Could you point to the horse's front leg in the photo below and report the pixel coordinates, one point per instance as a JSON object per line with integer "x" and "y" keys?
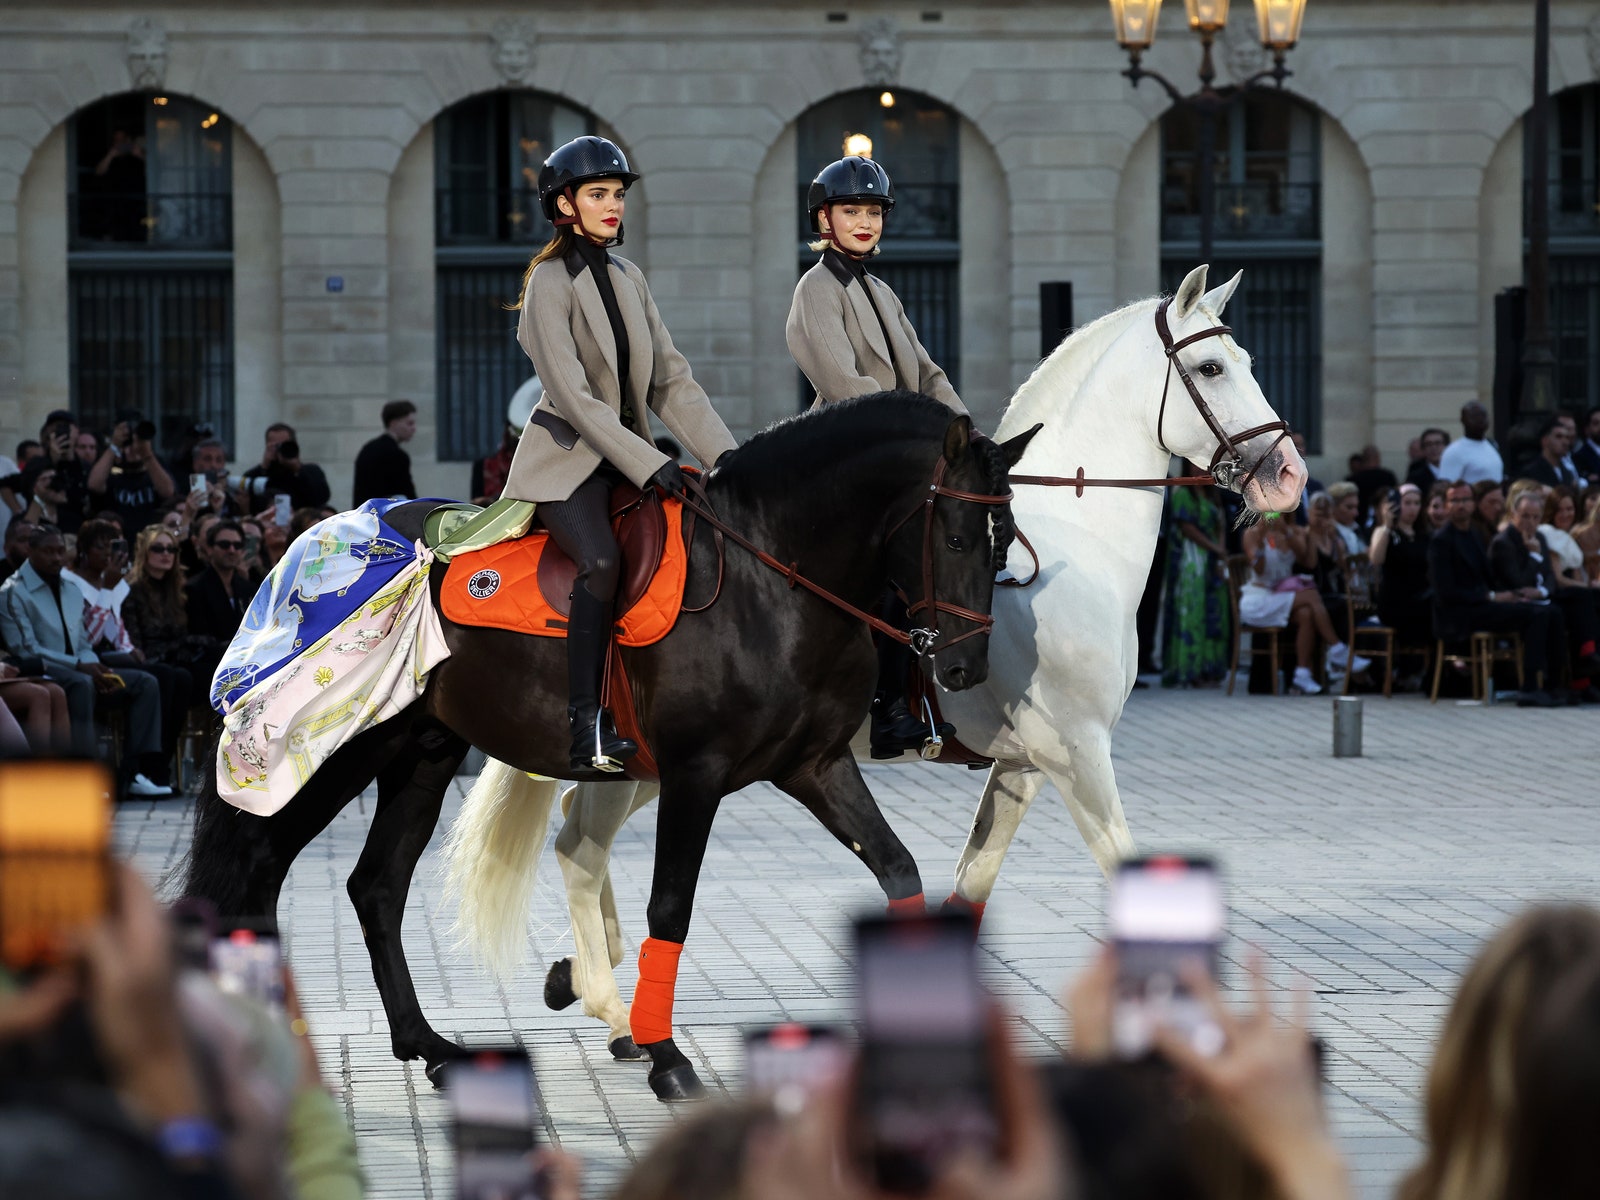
{"x": 1006, "y": 796}
{"x": 1077, "y": 758}
{"x": 834, "y": 792}
{"x": 595, "y": 812}
{"x": 410, "y": 794}
{"x": 689, "y": 800}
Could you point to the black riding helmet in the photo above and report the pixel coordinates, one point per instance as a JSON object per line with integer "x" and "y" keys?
{"x": 579, "y": 161}
{"x": 853, "y": 178}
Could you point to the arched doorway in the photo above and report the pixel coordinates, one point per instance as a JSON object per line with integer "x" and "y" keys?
{"x": 1268, "y": 221}
{"x": 150, "y": 264}
{"x": 917, "y": 140}
{"x": 487, "y": 224}
{"x": 1574, "y": 163}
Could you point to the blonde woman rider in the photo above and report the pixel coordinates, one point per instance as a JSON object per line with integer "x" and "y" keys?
{"x": 849, "y": 334}
{"x": 606, "y": 361}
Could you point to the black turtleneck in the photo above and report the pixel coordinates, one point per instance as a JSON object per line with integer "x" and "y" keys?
{"x": 596, "y": 260}
{"x": 848, "y": 268}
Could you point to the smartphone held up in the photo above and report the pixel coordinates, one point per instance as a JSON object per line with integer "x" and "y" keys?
{"x": 1165, "y": 917}
{"x": 55, "y": 864}
{"x": 493, "y": 1112}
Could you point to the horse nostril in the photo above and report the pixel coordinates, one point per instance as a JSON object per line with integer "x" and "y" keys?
{"x": 957, "y": 677}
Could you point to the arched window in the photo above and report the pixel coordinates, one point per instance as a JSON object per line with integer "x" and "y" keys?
{"x": 1574, "y": 165}
{"x": 918, "y": 141}
{"x": 1267, "y": 219}
{"x": 150, "y": 264}
{"x": 487, "y": 154}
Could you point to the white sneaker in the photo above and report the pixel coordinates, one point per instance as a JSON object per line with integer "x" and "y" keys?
{"x": 1339, "y": 656}
{"x": 141, "y": 786}
{"x": 1304, "y": 683}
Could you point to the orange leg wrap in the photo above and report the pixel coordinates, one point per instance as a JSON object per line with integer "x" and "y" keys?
{"x": 975, "y": 907}
{"x": 650, "y": 1018}
{"x": 911, "y": 906}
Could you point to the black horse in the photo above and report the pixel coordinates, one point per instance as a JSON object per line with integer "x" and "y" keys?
{"x": 768, "y": 683}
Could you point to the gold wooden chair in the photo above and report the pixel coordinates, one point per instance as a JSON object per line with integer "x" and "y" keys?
{"x": 1483, "y": 651}
{"x": 1238, "y": 575}
{"x": 1369, "y": 641}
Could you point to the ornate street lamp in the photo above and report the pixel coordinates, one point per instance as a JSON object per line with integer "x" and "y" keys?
{"x": 1278, "y": 27}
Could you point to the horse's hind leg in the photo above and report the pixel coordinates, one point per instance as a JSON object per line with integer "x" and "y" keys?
{"x": 1006, "y": 797}
{"x": 411, "y": 792}
{"x": 594, "y": 814}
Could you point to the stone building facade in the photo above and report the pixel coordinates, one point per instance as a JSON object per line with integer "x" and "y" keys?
{"x": 1410, "y": 118}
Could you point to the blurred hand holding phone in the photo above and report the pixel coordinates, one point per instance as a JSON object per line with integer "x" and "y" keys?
{"x": 925, "y": 1088}
{"x": 789, "y": 1062}
{"x": 55, "y": 839}
{"x": 1163, "y": 912}
{"x": 247, "y": 960}
{"x": 492, "y": 1103}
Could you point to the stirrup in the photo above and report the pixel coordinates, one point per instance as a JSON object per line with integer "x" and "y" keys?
{"x": 596, "y": 756}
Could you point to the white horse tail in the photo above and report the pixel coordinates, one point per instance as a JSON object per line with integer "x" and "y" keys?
{"x": 491, "y": 859}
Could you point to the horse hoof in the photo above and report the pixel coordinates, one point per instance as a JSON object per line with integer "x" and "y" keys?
{"x": 436, "y": 1072}
{"x": 625, "y": 1049}
{"x": 558, "y": 993}
{"x": 677, "y": 1085}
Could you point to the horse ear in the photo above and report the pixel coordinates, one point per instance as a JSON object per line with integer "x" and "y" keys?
{"x": 1012, "y": 449}
{"x": 1190, "y": 292}
{"x": 1217, "y": 298}
{"x": 957, "y": 436}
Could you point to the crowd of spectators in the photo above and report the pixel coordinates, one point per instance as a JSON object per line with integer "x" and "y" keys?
{"x": 1462, "y": 546}
{"x": 124, "y": 577}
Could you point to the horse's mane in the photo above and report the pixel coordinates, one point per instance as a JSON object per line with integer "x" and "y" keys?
{"x": 1057, "y": 379}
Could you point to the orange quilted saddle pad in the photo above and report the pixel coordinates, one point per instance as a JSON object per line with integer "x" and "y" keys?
{"x": 499, "y": 588}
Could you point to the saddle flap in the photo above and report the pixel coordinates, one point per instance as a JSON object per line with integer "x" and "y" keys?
{"x": 641, "y": 530}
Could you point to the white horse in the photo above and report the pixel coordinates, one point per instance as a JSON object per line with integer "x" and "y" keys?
{"x": 1062, "y": 656}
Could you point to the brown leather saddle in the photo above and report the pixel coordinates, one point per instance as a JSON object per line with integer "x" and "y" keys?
{"x": 641, "y": 530}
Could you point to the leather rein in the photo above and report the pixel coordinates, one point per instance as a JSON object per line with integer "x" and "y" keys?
{"x": 1226, "y": 464}
{"x": 920, "y": 640}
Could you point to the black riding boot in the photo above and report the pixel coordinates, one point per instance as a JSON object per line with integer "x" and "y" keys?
{"x": 894, "y": 729}
{"x": 596, "y": 744}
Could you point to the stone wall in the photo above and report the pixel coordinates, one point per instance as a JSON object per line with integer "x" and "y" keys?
{"x": 333, "y": 107}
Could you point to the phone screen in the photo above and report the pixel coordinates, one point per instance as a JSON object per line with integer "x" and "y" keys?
{"x": 492, "y": 1102}
{"x": 282, "y": 513}
{"x": 247, "y": 960}
{"x": 786, "y": 1062}
{"x": 925, "y": 1088}
{"x": 1162, "y": 912}
{"x": 197, "y": 483}
{"x": 55, "y": 871}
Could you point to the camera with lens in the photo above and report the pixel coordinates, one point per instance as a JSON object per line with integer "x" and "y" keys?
{"x": 140, "y": 427}
{"x": 288, "y": 451}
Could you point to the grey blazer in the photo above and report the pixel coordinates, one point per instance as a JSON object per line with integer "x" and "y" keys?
{"x": 578, "y": 422}
{"x": 838, "y": 342}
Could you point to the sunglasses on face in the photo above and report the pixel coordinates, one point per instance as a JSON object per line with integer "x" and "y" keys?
{"x": 162, "y": 548}
{"x": 227, "y": 545}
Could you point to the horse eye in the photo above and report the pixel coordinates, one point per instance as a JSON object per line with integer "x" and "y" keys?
{"x": 1211, "y": 368}
{"x": 956, "y": 542}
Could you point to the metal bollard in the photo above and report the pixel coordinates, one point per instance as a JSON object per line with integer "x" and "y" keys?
{"x": 1347, "y": 727}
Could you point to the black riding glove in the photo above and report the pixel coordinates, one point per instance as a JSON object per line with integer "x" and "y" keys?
{"x": 670, "y": 480}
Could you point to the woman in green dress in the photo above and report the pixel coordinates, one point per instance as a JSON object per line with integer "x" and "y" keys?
{"x": 1195, "y": 619}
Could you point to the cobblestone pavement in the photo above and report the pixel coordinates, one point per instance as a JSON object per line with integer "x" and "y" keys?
{"x": 1373, "y": 878}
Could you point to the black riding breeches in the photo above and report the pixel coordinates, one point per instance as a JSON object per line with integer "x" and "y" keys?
{"x": 581, "y": 526}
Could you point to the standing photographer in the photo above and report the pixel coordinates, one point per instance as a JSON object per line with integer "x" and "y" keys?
{"x": 55, "y": 485}
{"x": 283, "y": 473}
{"x": 128, "y": 478}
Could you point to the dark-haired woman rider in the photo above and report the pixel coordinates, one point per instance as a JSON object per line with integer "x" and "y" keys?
{"x": 597, "y": 342}
{"x": 849, "y": 334}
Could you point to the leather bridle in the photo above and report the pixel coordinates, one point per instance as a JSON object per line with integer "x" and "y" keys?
{"x": 920, "y": 640}
{"x": 1228, "y": 461}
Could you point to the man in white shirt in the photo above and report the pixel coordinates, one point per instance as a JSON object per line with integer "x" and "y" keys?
{"x": 1472, "y": 457}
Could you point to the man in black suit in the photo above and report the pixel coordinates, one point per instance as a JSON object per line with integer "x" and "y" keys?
{"x": 382, "y": 468}
{"x": 1549, "y": 466}
{"x": 1586, "y": 454}
{"x": 218, "y": 597}
{"x": 1465, "y": 602}
{"x": 1520, "y": 561}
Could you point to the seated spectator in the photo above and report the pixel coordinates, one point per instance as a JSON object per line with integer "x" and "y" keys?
{"x": 39, "y": 709}
{"x": 1587, "y": 531}
{"x": 128, "y": 478}
{"x": 194, "y": 551}
{"x": 1313, "y": 485}
{"x": 100, "y": 561}
{"x": 1517, "y": 489}
{"x": 16, "y": 546}
{"x": 1371, "y": 477}
{"x": 283, "y": 473}
{"x": 1520, "y": 560}
{"x": 41, "y": 616}
{"x": 216, "y": 598}
{"x": 1585, "y": 453}
{"x": 251, "y": 560}
{"x": 1549, "y": 466}
{"x": 156, "y": 621}
{"x": 1559, "y": 519}
{"x": 302, "y": 520}
{"x": 1513, "y": 1092}
{"x": 1435, "y": 507}
{"x": 1347, "y": 516}
{"x": 1424, "y": 470}
{"x": 1274, "y": 596}
{"x": 1399, "y": 553}
{"x": 1488, "y": 509}
{"x": 1465, "y": 600}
